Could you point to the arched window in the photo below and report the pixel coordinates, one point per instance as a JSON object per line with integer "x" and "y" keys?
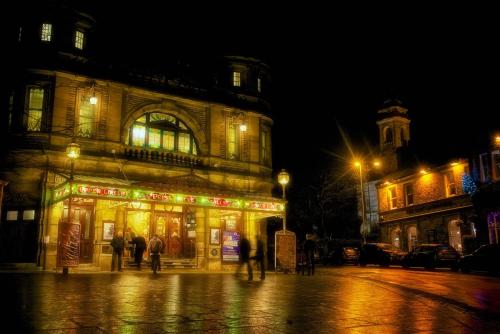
{"x": 412, "y": 237}
{"x": 388, "y": 135}
{"x": 395, "y": 238}
{"x": 162, "y": 131}
{"x": 455, "y": 235}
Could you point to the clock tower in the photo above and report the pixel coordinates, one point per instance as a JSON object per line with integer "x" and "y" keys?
{"x": 394, "y": 132}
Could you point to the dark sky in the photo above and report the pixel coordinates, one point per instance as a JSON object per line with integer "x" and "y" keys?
{"x": 336, "y": 66}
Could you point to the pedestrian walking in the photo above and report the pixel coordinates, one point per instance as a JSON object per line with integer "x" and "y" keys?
{"x": 244, "y": 246}
{"x": 155, "y": 247}
{"x": 140, "y": 248}
{"x": 118, "y": 244}
{"x": 259, "y": 258}
{"x": 129, "y": 237}
{"x": 309, "y": 250}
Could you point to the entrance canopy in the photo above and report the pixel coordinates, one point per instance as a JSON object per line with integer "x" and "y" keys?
{"x": 101, "y": 188}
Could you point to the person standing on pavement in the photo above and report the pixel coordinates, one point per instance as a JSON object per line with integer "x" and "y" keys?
{"x": 140, "y": 248}
{"x": 259, "y": 257}
{"x": 309, "y": 250}
{"x": 244, "y": 246}
{"x": 118, "y": 244}
{"x": 155, "y": 247}
{"x": 129, "y": 237}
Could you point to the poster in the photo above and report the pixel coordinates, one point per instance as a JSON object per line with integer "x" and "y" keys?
{"x": 108, "y": 230}
{"x": 285, "y": 256}
{"x": 214, "y": 236}
{"x": 230, "y": 248}
{"x": 68, "y": 247}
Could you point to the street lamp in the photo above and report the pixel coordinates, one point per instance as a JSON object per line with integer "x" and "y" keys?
{"x": 283, "y": 179}
{"x": 73, "y": 152}
{"x": 359, "y": 165}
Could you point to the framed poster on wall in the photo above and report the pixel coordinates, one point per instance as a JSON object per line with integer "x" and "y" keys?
{"x": 108, "y": 230}
{"x": 230, "y": 247}
{"x": 214, "y": 236}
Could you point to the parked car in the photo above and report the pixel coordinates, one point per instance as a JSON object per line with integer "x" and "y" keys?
{"x": 485, "y": 258}
{"x": 381, "y": 254}
{"x": 431, "y": 256}
{"x": 350, "y": 255}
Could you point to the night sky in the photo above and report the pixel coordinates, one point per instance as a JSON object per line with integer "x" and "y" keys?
{"x": 335, "y": 67}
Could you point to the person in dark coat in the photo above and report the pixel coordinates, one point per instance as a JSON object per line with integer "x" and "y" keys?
{"x": 309, "y": 250}
{"x": 259, "y": 257}
{"x": 244, "y": 246}
{"x": 140, "y": 247}
{"x": 118, "y": 244}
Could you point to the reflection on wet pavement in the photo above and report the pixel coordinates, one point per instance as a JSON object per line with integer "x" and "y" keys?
{"x": 336, "y": 300}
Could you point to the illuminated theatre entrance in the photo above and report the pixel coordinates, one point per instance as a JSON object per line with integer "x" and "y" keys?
{"x": 200, "y": 229}
{"x": 175, "y": 225}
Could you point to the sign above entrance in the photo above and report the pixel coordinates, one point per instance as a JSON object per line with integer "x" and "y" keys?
{"x": 100, "y": 191}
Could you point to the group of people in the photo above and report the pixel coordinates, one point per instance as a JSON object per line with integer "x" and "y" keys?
{"x": 244, "y": 257}
{"x": 136, "y": 245}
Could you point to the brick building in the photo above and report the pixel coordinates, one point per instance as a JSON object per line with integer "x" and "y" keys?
{"x": 417, "y": 203}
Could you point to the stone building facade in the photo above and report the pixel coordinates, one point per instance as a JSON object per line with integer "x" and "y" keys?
{"x": 189, "y": 160}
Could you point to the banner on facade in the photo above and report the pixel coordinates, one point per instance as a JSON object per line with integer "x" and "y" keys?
{"x": 285, "y": 251}
{"x": 230, "y": 247}
{"x": 68, "y": 247}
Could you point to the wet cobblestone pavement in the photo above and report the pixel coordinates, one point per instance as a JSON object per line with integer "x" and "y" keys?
{"x": 335, "y": 300}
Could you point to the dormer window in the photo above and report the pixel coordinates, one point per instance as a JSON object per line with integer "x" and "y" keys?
{"x": 236, "y": 79}
{"x": 46, "y": 33}
{"x": 79, "y": 39}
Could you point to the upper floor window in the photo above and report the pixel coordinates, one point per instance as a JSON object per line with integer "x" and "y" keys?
{"x": 35, "y": 108}
{"x": 79, "y": 39}
{"x": 391, "y": 196}
{"x": 87, "y": 116}
{"x": 408, "y": 187}
{"x": 233, "y": 142}
{"x": 236, "y": 79}
{"x": 20, "y": 34}
{"x": 46, "y": 33}
{"x": 162, "y": 131}
{"x": 265, "y": 146}
{"x": 259, "y": 85}
{"x": 449, "y": 181}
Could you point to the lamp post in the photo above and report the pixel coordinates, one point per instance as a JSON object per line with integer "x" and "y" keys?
{"x": 359, "y": 165}
{"x": 72, "y": 152}
{"x": 283, "y": 179}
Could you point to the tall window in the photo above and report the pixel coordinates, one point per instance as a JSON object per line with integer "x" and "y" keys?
{"x": 408, "y": 187}
{"x": 11, "y": 108}
{"x": 35, "y": 108}
{"x": 233, "y": 143}
{"x": 259, "y": 85}
{"x": 388, "y": 135}
{"x": 496, "y": 162}
{"x": 451, "y": 187}
{"x": 265, "y": 146}
{"x": 46, "y": 33}
{"x": 391, "y": 195}
{"x": 79, "y": 39}
{"x": 236, "y": 79}
{"x": 87, "y": 117}
{"x": 162, "y": 131}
